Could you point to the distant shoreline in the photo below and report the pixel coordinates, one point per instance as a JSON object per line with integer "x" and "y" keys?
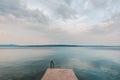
{"x": 59, "y": 45}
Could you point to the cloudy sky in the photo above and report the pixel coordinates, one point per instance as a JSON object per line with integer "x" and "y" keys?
{"x": 60, "y": 22}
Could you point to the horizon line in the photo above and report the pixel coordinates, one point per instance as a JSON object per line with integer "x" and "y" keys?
{"x": 57, "y": 45}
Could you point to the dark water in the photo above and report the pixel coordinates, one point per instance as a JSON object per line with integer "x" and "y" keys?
{"x": 87, "y": 63}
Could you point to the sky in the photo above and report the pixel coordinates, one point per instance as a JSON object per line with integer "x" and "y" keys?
{"x": 89, "y": 22}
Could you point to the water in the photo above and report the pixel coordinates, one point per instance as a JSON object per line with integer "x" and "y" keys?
{"x": 88, "y": 63}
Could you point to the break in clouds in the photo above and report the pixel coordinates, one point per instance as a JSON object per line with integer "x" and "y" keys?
{"x": 60, "y": 21}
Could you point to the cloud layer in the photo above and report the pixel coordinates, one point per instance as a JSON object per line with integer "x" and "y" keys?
{"x": 65, "y": 21}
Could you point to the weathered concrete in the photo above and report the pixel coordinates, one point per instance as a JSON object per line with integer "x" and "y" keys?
{"x": 59, "y": 74}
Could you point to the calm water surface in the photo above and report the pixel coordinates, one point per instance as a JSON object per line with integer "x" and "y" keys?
{"x": 88, "y": 63}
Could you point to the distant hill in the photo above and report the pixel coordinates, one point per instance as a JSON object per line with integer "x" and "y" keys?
{"x": 53, "y": 45}
{"x": 8, "y": 45}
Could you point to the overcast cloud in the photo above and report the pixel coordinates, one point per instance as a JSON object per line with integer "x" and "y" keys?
{"x": 60, "y": 22}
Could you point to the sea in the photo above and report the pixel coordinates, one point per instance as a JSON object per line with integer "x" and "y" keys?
{"x": 88, "y": 63}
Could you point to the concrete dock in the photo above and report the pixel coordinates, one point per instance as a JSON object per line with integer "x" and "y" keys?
{"x": 59, "y": 74}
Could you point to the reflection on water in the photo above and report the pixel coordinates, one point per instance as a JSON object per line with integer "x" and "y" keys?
{"x": 11, "y": 55}
{"x": 88, "y": 63}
